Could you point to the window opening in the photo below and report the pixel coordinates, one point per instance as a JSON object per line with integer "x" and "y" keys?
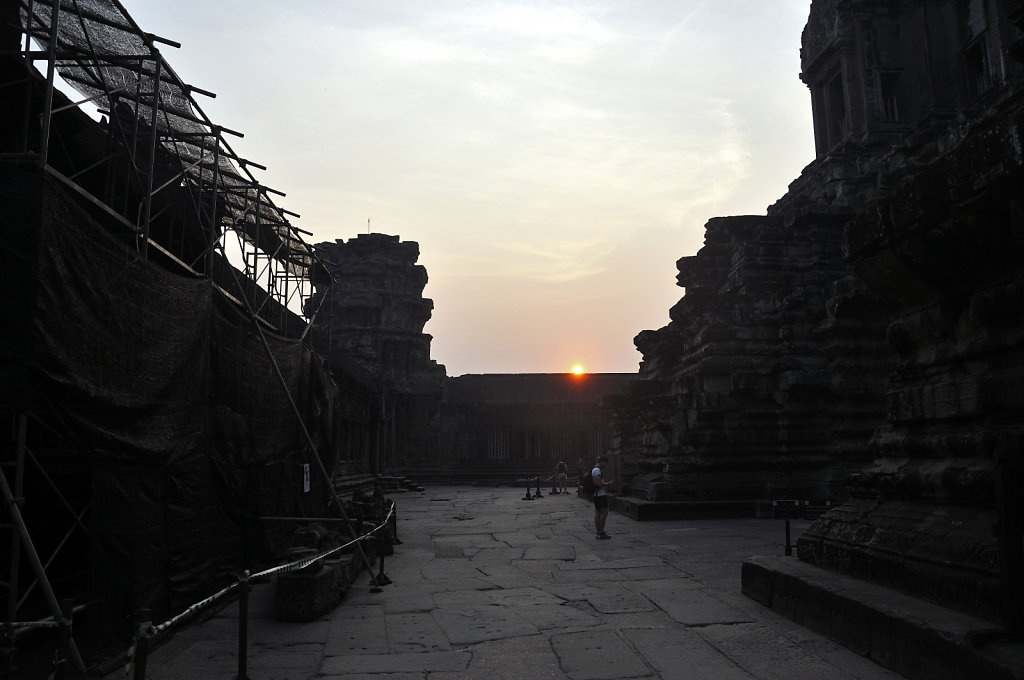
{"x": 887, "y": 85}
{"x": 977, "y": 68}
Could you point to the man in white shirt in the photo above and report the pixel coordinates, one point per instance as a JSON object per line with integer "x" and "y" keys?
{"x": 600, "y": 496}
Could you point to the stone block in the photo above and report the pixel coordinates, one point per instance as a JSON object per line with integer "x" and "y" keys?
{"x": 310, "y": 593}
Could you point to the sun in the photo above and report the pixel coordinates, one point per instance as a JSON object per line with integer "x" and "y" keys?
{"x": 577, "y": 370}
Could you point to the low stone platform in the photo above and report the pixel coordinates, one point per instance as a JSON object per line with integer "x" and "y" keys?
{"x": 914, "y": 638}
{"x": 644, "y": 510}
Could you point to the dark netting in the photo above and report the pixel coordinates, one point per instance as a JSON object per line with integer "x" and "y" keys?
{"x": 168, "y": 391}
{"x": 103, "y": 53}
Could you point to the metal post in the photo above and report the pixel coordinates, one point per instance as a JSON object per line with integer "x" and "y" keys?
{"x": 1009, "y": 527}
{"x": 789, "y": 546}
{"x": 382, "y": 578}
{"x": 243, "y": 625}
{"x": 19, "y": 476}
{"x": 527, "y": 497}
{"x": 51, "y": 70}
{"x": 60, "y": 662}
{"x": 148, "y": 199}
{"x": 143, "y": 636}
{"x": 33, "y": 558}
{"x": 537, "y": 495}
{"x": 213, "y": 206}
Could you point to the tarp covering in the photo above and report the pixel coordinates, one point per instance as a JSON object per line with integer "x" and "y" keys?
{"x": 103, "y": 53}
{"x": 167, "y": 392}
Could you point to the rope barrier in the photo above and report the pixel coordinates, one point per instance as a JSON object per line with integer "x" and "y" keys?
{"x": 148, "y": 633}
{"x": 31, "y": 624}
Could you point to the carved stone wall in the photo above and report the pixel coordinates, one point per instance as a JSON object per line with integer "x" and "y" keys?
{"x": 767, "y": 382}
{"x": 938, "y": 511}
{"x": 371, "y": 324}
{"x": 873, "y": 321}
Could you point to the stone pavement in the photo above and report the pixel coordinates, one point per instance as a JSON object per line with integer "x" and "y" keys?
{"x": 488, "y": 585}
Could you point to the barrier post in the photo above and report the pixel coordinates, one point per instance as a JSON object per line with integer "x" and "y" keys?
{"x": 527, "y": 497}
{"x": 142, "y": 639}
{"x": 7, "y": 649}
{"x": 243, "y": 625}
{"x": 393, "y": 521}
{"x": 60, "y": 660}
{"x": 382, "y": 578}
{"x": 537, "y": 495}
{"x": 787, "y": 510}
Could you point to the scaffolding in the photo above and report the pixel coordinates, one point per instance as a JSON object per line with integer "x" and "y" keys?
{"x": 154, "y": 123}
{"x": 165, "y": 175}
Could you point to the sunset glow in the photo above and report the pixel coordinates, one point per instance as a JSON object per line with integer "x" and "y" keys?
{"x": 577, "y": 369}
{"x": 594, "y": 140}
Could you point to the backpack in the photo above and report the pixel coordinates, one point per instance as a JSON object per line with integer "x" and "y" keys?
{"x": 588, "y": 482}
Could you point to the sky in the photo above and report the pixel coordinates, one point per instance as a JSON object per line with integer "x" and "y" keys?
{"x": 553, "y": 159}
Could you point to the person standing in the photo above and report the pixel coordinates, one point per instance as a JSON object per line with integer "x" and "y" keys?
{"x": 561, "y": 470}
{"x": 600, "y": 496}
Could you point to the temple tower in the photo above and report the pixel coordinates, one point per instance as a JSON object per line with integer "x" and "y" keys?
{"x": 372, "y": 324}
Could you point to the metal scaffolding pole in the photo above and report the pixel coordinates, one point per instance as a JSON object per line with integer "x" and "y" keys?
{"x": 151, "y": 160}
{"x": 18, "y": 522}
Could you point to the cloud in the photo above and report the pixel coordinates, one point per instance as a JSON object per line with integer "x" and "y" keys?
{"x": 547, "y": 156}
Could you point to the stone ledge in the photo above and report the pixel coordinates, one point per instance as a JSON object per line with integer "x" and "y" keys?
{"x": 644, "y": 510}
{"x": 912, "y": 637}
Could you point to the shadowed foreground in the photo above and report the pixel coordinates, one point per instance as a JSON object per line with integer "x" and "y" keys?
{"x": 487, "y": 585}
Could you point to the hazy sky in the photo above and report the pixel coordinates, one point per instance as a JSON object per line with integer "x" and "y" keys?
{"x": 552, "y": 159}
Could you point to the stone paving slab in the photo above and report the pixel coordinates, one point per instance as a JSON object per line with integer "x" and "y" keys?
{"x": 599, "y": 655}
{"x": 552, "y": 551}
{"x": 619, "y": 602}
{"x": 363, "y": 631}
{"x": 529, "y": 658}
{"x": 589, "y": 576}
{"x": 472, "y": 626}
{"x": 522, "y": 596}
{"x": 680, "y": 652}
{"x": 764, "y": 653}
{"x": 507, "y": 576}
{"x": 423, "y": 662}
{"x": 627, "y": 563}
{"x": 694, "y": 607}
{"x": 415, "y": 632}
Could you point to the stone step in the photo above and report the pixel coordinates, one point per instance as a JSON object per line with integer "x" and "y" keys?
{"x": 912, "y": 637}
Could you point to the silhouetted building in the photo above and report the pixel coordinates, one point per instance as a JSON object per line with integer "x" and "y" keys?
{"x": 873, "y": 321}
{"x": 371, "y": 322}
{"x": 497, "y": 427}
{"x": 918, "y": 121}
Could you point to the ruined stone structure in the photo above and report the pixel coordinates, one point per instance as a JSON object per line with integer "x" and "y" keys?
{"x": 766, "y": 383}
{"x": 873, "y": 320}
{"x": 372, "y": 323}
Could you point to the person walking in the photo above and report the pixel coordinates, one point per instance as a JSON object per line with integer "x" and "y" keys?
{"x": 600, "y": 496}
{"x": 561, "y": 471}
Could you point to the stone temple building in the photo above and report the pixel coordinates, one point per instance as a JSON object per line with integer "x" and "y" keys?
{"x": 425, "y": 425}
{"x": 929, "y": 165}
{"x": 371, "y": 326}
{"x": 863, "y": 341}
